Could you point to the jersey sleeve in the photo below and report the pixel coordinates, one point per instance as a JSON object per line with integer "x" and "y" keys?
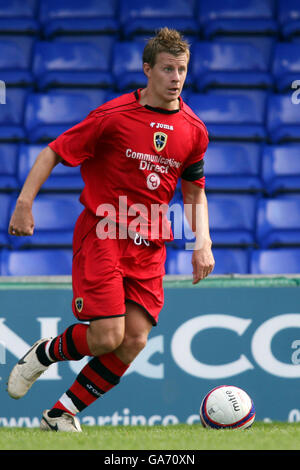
{"x": 78, "y": 143}
{"x": 193, "y": 168}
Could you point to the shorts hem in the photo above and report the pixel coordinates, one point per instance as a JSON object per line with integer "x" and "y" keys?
{"x": 99, "y": 317}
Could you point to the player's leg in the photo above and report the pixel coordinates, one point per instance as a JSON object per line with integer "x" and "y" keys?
{"x": 104, "y": 339}
{"x": 102, "y": 373}
{"x": 137, "y": 328}
{"x": 77, "y": 341}
{"x": 98, "y": 297}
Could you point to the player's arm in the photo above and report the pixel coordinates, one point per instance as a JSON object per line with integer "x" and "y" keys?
{"x": 196, "y": 211}
{"x": 21, "y": 222}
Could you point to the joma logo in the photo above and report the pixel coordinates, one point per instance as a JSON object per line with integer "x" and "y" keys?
{"x": 93, "y": 390}
{"x": 159, "y": 125}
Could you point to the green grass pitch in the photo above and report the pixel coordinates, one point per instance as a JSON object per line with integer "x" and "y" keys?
{"x": 261, "y": 436}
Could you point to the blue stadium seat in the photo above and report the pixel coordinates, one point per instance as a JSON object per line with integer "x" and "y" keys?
{"x": 5, "y": 211}
{"x": 278, "y": 222}
{"x": 236, "y": 116}
{"x": 19, "y": 17}
{"x": 275, "y": 261}
{"x": 265, "y": 44}
{"x": 104, "y": 42}
{"x": 231, "y": 261}
{"x": 62, "y": 178}
{"x": 15, "y": 60}
{"x": 181, "y": 230}
{"x": 237, "y": 17}
{"x": 12, "y": 114}
{"x": 289, "y": 18}
{"x": 148, "y": 16}
{"x": 178, "y": 262}
{"x": 18, "y": 9}
{"x": 217, "y": 64}
{"x": 40, "y": 262}
{"x": 286, "y": 65}
{"x": 8, "y": 166}
{"x": 228, "y": 261}
{"x": 127, "y": 65}
{"x": 233, "y": 167}
{"x": 77, "y": 17}
{"x": 232, "y": 220}
{"x": 47, "y": 115}
{"x": 283, "y": 119}
{"x": 58, "y": 64}
{"x": 281, "y": 168}
{"x": 54, "y": 216}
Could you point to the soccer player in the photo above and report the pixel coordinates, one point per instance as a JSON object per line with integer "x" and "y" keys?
{"x": 132, "y": 151}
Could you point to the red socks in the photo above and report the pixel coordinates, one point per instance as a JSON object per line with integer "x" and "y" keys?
{"x": 96, "y": 378}
{"x": 69, "y": 346}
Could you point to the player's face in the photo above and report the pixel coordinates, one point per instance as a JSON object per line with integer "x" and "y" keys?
{"x": 166, "y": 78}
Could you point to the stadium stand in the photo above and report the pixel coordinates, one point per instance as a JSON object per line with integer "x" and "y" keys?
{"x": 55, "y": 216}
{"x": 5, "y": 209}
{"x": 228, "y": 261}
{"x": 275, "y": 261}
{"x": 234, "y": 166}
{"x": 218, "y": 64}
{"x": 143, "y": 18}
{"x": 60, "y": 59}
{"x": 12, "y": 115}
{"x": 49, "y": 114}
{"x": 238, "y": 116}
{"x": 15, "y": 60}
{"x": 286, "y": 65}
{"x": 232, "y": 221}
{"x": 127, "y": 65}
{"x": 63, "y": 178}
{"x": 289, "y": 18}
{"x": 278, "y": 222}
{"x": 76, "y": 17}
{"x": 63, "y": 64}
{"x": 19, "y": 17}
{"x": 283, "y": 123}
{"x": 36, "y": 263}
{"x": 8, "y": 167}
{"x": 237, "y": 17}
{"x": 281, "y": 168}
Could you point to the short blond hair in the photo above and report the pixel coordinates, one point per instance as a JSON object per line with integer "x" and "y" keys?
{"x": 166, "y": 40}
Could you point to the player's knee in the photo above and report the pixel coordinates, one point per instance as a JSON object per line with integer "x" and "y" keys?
{"x": 134, "y": 344}
{"x": 111, "y": 341}
{"x": 105, "y": 342}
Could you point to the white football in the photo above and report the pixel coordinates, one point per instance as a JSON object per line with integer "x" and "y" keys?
{"x": 225, "y": 407}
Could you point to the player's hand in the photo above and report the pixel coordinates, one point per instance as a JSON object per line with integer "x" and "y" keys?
{"x": 203, "y": 263}
{"x": 21, "y": 222}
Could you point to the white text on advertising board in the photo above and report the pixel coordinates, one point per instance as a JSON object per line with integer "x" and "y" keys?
{"x": 181, "y": 351}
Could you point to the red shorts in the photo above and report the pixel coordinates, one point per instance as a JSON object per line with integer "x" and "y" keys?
{"x": 107, "y": 273}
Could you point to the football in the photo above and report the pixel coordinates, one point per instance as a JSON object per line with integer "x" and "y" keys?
{"x": 227, "y": 407}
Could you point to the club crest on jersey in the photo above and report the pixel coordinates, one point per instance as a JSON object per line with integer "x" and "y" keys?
{"x": 160, "y": 140}
{"x": 79, "y": 304}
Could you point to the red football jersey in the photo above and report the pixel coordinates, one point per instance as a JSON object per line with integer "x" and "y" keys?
{"x": 131, "y": 158}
